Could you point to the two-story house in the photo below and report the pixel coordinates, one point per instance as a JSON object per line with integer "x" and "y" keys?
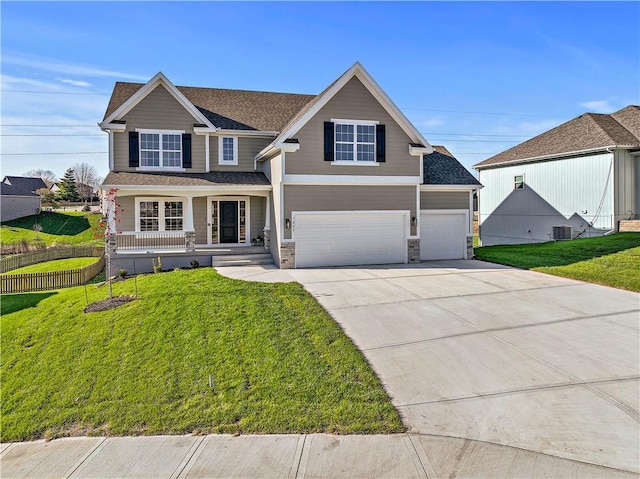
{"x": 338, "y": 178}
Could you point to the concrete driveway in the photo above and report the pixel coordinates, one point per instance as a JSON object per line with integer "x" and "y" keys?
{"x": 493, "y": 354}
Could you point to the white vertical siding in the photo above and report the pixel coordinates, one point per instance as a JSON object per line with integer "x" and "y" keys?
{"x": 574, "y": 191}
{"x": 626, "y": 184}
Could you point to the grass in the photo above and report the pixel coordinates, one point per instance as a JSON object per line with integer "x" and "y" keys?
{"x": 68, "y": 228}
{"x": 56, "y": 265}
{"x": 609, "y": 260}
{"x": 276, "y": 360}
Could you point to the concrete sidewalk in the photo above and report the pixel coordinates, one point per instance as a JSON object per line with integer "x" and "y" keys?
{"x": 283, "y": 456}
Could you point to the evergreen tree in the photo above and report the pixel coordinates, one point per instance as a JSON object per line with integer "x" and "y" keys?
{"x": 67, "y": 185}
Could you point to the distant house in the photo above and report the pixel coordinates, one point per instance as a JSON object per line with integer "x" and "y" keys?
{"x": 18, "y": 197}
{"x": 579, "y": 179}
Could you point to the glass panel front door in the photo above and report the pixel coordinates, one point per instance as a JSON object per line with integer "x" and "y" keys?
{"x": 228, "y": 222}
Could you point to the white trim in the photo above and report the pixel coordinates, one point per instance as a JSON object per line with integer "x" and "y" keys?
{"x": 203, "y": 130}
{"x": 247, "y": 217}
{"x": 221, "y": 160}
{"x": 111, "y": 152}
{"x": 345, "y": 121}
{"x": 161, "y": 223}
{"x": 349, "y": 180}
{"x": 355, "y": 163}
{"x": 207, "y": 158}
{"x": 255, "y": 133}
{"x": 130, "y": 190}
{"x": 358, "y": 71}
{"x": 137, "y": 97}
{"x": 168, "y": 169}
{"x": 115, "y": 127}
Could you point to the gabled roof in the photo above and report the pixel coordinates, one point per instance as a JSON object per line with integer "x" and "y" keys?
{"x": 225, "y": 109}
{"x": 21, "y": 186}
{"x": 313, "y": 106}
{"x": 589, "y": 131}
{"x": 442, "y": 168}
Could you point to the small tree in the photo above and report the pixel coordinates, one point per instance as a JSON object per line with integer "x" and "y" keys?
{"x": 87, "y": 180}
{"x": 67, "y": 185}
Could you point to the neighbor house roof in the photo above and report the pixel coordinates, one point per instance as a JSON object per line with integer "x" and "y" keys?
{"x": 442, "y": 168}
{"x": 586, "y": 132}
{"x": 21, "y": 186}
{"x": 214, "y": 178}
{"x": 229, "y": 109}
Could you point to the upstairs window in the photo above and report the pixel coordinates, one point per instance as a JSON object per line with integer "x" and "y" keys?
{"x": 228, "y": 150}
{"x": 355, "y": 142}
{"x": 160, "y": 149}
{"x": 518, "y": 182}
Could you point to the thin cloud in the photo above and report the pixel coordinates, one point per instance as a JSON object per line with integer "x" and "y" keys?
{"x": 56, "y": 66}
{"x": 84, "y": 84}
{"x": 598, "y": 106}
{"x": 432, "y": 122}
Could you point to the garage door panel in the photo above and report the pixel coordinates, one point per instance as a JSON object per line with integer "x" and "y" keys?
{"x": 442, "y": 236}
{"x": 341, "y": 239}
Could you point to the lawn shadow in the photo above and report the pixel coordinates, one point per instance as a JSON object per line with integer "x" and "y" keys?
{"x": 53, "y": 223}
{"x": 10, "y": 303}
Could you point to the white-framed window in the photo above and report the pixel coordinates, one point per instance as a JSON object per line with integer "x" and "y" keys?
{"x": 160, "y": 148}
{"x": 355, "y": 140}
{"x": 518, "y": 182}
{"x": 160, "y": 214}
{"x": 228, "y": 150}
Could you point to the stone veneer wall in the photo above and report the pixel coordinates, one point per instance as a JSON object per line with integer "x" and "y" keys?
{"x": 288, "y": 255}
{"x": 469, "y": 247}
{"x": 413, "y": 249}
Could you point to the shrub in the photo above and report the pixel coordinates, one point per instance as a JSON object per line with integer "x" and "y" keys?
{"x": 86, "y": 209}
{"x": 195, "y": 263}
{"x": 122, "y": 273}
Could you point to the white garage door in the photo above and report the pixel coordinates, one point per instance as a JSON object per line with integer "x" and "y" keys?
{"x": 350, "y": 238}
{"x": 443, "y": 234}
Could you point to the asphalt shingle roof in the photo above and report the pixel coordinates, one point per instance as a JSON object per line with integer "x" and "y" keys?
{"x": 21, "y": 186}
{"x": 588, "y": 131}
{"x": 230, "y": 109}
{"x": 214, "y": 178}
{"x": 442, "y": 168}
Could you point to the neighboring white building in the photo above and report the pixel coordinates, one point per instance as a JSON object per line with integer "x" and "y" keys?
{"x": 576, "y": 180}
{"x": 18, "y": 197}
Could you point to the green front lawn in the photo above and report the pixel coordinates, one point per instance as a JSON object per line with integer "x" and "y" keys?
{"x": 610, "y": 260}
{"x": 69, "y": 228}
{"x": 55, "y": 265}
{"x": 276, "y": 362}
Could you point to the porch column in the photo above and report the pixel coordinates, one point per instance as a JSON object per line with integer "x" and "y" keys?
{"x": 267, "y": 221}
{"x": 188, "y": 215}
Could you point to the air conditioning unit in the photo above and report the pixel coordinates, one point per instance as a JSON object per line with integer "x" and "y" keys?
{"x": 561, "y": 232}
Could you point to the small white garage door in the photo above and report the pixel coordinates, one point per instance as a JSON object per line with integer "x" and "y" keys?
{"x": 443, "y": 234}
{"x": 350, "y": 238}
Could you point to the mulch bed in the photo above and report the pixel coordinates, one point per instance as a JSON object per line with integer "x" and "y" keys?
{"x": 107, "y": 304}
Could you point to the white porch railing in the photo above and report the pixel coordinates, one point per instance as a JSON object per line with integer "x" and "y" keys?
{"x": 152, "y": 241}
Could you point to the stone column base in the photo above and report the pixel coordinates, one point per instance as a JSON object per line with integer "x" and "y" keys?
{"x": 413, "y": 250}
{"x": 469, "y": 247}
{"x": 288, "y": 255}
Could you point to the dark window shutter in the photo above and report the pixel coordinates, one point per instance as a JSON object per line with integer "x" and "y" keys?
{"x": 328, "y": 141}
{"x": 134, "y": 150}
{"x": 380, "y": 144}
{"x": 186, "y": 150}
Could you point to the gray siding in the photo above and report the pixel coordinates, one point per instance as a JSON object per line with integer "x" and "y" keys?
{"x": 247, "y": 149}
{"x": 126, "y": 213}
{"x": 200, "y": 219}
{"x": 158, "y": 110}
{"x": 626, "y": 185}
{"x": 356, "y": 103}
{"x": 257, "y": 210}
{"x": 348, "y": 198}
{"x": 571, "y": 191}
{"x": 13, "y": 207}
{"x": 444, "y": 200}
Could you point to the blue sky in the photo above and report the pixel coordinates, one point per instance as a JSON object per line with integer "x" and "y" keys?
{"x": 476, "y": 77}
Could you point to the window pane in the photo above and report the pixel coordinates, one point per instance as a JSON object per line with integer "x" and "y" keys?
{"x": 173, "y": 224}
{"x": 344, "y": 133}
{"x": 242, "y": 217}
{"x": 149, "y": 141}
{"x": 172, "y": 142}
{"x": 366, "y": 134}
{"x": 149, "y": 158}
{"x": 173, "y": 209}
{"x": 171, "y": 158}
{"x": 214, "y": 222}
{"x": 366, "y": 152}
{"x": 344, "y": 152}
{"x": 227, "y": 149}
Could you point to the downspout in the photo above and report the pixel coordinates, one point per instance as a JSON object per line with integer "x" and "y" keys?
{"x": 613, "y": 192}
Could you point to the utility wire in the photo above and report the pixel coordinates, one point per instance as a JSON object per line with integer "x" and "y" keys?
{"x": 58, "y": 126}
{"x": 56, "y": 92}
{"x": 84, "y": 136}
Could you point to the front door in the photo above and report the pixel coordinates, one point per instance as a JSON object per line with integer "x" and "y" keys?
{"x": 228, "y": 222}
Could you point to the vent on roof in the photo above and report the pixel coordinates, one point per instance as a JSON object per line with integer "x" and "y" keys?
{"x": 561, "y": 232}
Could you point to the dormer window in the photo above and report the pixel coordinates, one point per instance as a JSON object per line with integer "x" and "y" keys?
{"x": 228, "y": 150}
